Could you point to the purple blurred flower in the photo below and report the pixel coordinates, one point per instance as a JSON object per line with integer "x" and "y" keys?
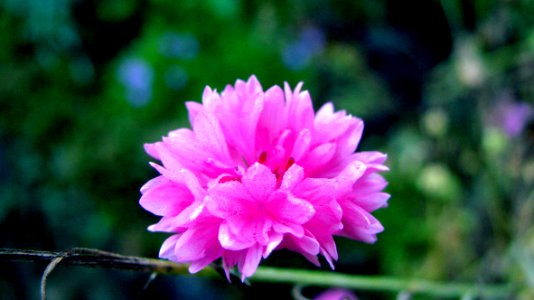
{"x": 299, "y": 53}
{"x": 136, "y": 75}
{"x": 511, "y": 116}
{"x": 336, "y": 294}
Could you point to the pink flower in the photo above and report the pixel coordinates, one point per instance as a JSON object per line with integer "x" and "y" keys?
{"x": 261, "y": 171}
{"x": 336, "y": 294}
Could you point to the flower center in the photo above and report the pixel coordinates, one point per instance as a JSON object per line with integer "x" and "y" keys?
{"x": 279, "y": 170}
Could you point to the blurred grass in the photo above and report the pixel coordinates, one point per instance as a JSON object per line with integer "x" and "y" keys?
{"x": 83, "y": 84}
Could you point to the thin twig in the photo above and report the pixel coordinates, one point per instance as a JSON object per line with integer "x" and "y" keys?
{"x": 102, "y": 259}
{"x": 51, "y": 266}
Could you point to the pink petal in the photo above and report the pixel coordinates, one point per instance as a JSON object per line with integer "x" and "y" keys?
{"x": 292, "y": 177}
{"x": 240, "y": 132}
{"x": 210, "y": 100}
{"x": 274, "y": 241}
{"x": 359, "y": 224}
{"x": 372, "y": 202}
{"x": 251, "y": 262}
{"x": 372, "y": 158}
{"x": 165, "y": 224}
{"x": 302, "y": 144}
{"x": 166, "y": 198}
{"x": 209, "y": 133}
{"x": 348, "y": 142}
{"x": 151, "y": 150}
{"x": 227, "y": 199}
{"x": 194, "y": 108}
{"x": 231, "y": 241}
{"x": 306, "y": 245}
{"x": 370, "y": 184}
{"x": 271, "y": 119}
{"x": 299, "y": 108}
{"x": 336, "y": 294}
{"x": 194, "y": 243}
{"x": 166, "y": 156}
{"x": 167, "y": 248}
{"x": 259, "y": 181}
{"x": 288, "y": 208}
{"x": 318, "y": 158}
{"x": 153, "y": 183}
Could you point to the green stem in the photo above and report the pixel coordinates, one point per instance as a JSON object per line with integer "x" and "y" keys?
{"x": 379, "y": 283}
{"x": 102, "y": 259}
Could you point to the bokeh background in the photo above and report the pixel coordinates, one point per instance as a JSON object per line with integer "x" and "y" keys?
{"x": 446, "y": 88}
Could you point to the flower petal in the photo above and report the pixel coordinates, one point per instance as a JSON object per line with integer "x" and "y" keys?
{"x": 251, "y": 262}
{"x": 259, "y": 181}
{"x": 359, "y": 224}
{"x": 230, "y": 241}
{"x": 166, "y": 198}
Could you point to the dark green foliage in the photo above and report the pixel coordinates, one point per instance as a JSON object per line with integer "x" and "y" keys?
{"x": 83, "y": 84}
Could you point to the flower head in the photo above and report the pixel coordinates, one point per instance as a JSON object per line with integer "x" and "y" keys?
{"x": 336, "y": 294}
{"x": 260, "y": 171}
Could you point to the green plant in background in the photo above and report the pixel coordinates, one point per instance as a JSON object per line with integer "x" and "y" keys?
{"x": 440, "y": 84}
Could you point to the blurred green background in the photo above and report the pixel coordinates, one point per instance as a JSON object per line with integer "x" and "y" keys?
{"x": 444, "y": 87}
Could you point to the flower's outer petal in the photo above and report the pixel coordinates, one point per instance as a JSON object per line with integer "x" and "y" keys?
{"x": 325, "y": 114}
{"x": 239, "y": 115}
{"x": 372, "y": 202}
{"x": 370, "y": 184}
{"x": 317, "y": 158}
{"x": 154, "y": 182}
{"x": 299, "y": 108}
{"x": 229, "y": 260}
{"x": 349, "y": 140}
{"x": 168, "y": 159}
{"x": 251, "y": 262}
{"x": 195, "y": 242}
{"x": 151, "y": 150}
{"x": 212, "y": 252}
{"x": 211, "y": 100}
{"x": 302, "y": 144}
{"x": 211, "y": 255}
{"x": 166, "y": 198}
{"x": 208, "y": 131}
{"x": 346, "y": 179}
{"x": 323, "y": 225}
{"x": 330, "y": 125}
{"x": 373, "y": 159}
{"x": 182, "y": 176}
{"x": 328, "y": 249}
{"x": 271, "y": 120}
{"x": 165, "y": 224}
{"x": 251, "y": 87}
{"x": 274, "y": 241}
{"x": 306, "y": 245}
{"x": 189, "y": 247}
{"x": 328, "y": 213}
{"x": 359, "y": 224}
{"x": 193, "y": 108}
{"x": 167, "y": 249}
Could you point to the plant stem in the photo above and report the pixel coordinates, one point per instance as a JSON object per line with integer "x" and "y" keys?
{"x": 379, "y": 283}
{"x": 102, "y": 259}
